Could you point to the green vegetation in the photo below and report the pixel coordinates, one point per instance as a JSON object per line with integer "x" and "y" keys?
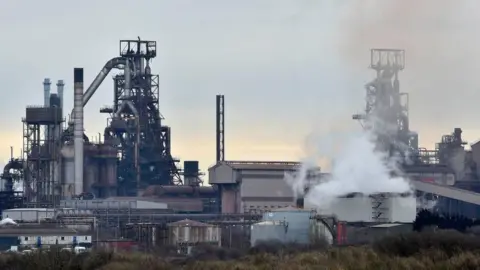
{"x": 439, "y": 250}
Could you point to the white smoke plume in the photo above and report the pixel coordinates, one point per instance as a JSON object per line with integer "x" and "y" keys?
{"x": 359, "y": 167}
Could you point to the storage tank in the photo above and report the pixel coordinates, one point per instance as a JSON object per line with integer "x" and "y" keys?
{"x": 320, "y": 232}
{"x": 297, "y": 221}
{"x": 68, "y": 182}
{"x": 184, "y": 234}
{"x": 352, "y": 208}
{"x": 268, "y": 231}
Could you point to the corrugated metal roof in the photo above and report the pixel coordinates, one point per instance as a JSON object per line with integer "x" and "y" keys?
{"x": 29, "y": 209}
{"x": 270, "y": 223}
{"x": 35, "y": 230}
{"x": 449, "y": 192}
{"x": 291, "y": 209}
{"x": 188, "y": 223}
{"x": 133, "y": 199}
{"x": 262, "y": 165}
{"x": 386, "y": 225}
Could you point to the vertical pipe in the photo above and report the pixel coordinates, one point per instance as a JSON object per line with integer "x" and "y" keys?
{"x": 46, "y": 99}
{"x": 220, "y": 128}
{"x": 217, "y": 129}
{"x": 339, "y": 233}
{"x": 127, "y": 75}
{"x": 60, "y": 87}
{"x": 78, "y": 129}
{"x": 141, "y": 66}
{"x": 46, "y": 92}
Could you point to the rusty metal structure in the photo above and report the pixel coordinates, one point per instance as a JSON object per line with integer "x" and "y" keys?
{"x": 143, "y": 143}
{"x": 60, "y": 162}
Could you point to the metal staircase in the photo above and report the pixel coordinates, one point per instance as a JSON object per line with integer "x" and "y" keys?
{"x": 380, "y": 209}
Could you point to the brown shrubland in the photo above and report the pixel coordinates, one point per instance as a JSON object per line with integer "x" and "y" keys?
{"x": 436, "y": 250}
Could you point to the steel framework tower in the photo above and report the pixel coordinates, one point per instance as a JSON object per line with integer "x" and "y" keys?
{"x": 135, "y": 127}
{"x": 40, "y": 152}
{"x": 386, "y": 111}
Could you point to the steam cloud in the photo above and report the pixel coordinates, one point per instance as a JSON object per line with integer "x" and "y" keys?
{"x": 359, "y": 167}
{"x": 441, "y": 41}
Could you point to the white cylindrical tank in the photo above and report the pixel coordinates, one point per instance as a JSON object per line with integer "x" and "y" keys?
{"x": 68, "y": 176}
{"x": 269, "y": 230}
{"x": 297, "y": 221}
{"x": 403, "y": 209}
{"x": 350, "y": 209}
{"x": 320, "y": 232}
{"x": 360, "y": 208}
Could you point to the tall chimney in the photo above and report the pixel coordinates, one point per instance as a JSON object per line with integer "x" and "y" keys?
{"x": 78, "y": 128}
{"x": 46, "y": 99}
{"x": 46, "y": 92}
{"x": 60, "y": 86}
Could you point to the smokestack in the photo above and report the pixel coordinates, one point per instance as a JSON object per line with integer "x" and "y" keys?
{"x": 46, "y": 92}
{"x": 46, "y": 99}
{"x": 60, "y": 86}
{"x": 78, "y": 128}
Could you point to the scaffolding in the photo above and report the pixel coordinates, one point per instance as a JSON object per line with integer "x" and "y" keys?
{"x": 41, "y": 129}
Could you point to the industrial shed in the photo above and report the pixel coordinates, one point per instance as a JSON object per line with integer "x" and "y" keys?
{"x": 252, "y": 186}
{"x": 29, "y": 214}
{"x": 114, "y": 203}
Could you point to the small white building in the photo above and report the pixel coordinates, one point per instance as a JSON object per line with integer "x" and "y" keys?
{"x": 47, "y": 240}
{"x": 31, "y": 235}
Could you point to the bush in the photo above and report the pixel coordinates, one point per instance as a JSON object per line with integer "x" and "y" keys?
{"x": 449, "y": 242}
{"x": 439, "y": 250}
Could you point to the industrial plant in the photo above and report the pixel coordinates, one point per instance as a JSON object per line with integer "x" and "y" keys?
{"x": 129, "y": 189}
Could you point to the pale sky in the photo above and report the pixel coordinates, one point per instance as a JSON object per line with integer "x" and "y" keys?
{"x": 287, "y": 68}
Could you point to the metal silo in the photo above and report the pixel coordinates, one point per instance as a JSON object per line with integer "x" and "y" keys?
{"x": 297, "y": 222}
{"x": 268, "y": 231}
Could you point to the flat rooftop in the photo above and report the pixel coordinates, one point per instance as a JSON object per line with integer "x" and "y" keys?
{"x": 38, "y": 230}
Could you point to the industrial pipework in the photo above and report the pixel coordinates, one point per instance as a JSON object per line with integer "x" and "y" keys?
{"x": 78, "y": 129}
{"x": 117, "y": 62}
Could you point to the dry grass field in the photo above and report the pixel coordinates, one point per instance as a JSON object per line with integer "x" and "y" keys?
{"x": 440, "y": 250}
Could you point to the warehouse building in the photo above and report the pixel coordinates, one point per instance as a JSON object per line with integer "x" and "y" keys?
{"x": 115, "y": 203}
{"x": 148, "y": 204}
{"x": 29, "y": 214}
{"x": 42, "y": 235}
{"x": 252, "y": 186}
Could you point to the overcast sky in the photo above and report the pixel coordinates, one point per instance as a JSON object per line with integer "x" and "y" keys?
{"x": 286, "y": 67}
